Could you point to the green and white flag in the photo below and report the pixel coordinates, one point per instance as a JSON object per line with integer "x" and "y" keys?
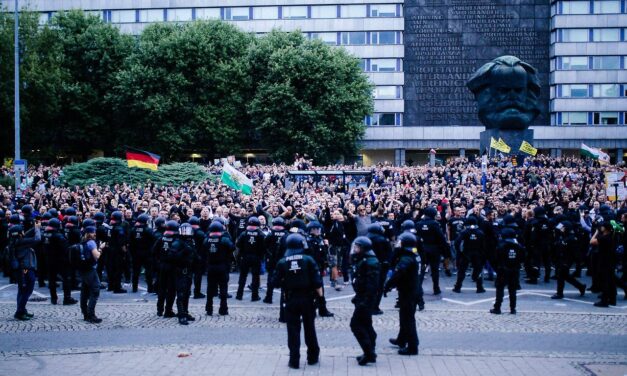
{"x": 236, "y": 180}
{"x": 596, "y": 154}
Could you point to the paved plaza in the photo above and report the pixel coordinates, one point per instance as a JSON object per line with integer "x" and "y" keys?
{"x": 457, "y": 337}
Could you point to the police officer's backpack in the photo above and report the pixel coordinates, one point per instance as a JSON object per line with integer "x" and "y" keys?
{"x": 80, "y": 257}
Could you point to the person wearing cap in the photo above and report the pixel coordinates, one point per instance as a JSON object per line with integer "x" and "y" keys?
{"x": 297, "y": 274}
{"x": 566, "y": 244}
{"x": 24, "y": 264}
{"x": 90, "y": 287}
{"x": 508, "y": 257}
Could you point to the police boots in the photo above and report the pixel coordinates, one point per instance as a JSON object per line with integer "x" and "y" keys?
{"x": 322, "y": 308}
{"x": 480, "y": 288}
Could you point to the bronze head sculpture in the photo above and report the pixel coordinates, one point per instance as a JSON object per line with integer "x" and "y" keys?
{"x": 506, "y": 90}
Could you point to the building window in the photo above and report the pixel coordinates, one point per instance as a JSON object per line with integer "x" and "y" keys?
{"x": 353, "y": 11}
{"x": 574, "y": 62}
{"x": 606, "y": 62}
{"x": 606, "y": 90}
{"x": 606, "y": 35}
{"x": 605, "y": 118}
{"x": 384, "y": 119}
{"x": 294, "y": 12}
{"x": 383, "y": 37}
{"x": 124, "y": 16}
{"x": 151, "y": 15}
{"x": 575, "y": 35}
{"x": 324, "y": 11}
{"x": 362, "y": 64}
{"x": 266, "y": 13}
{"x": 383, "y": 10}
{"x": 44, "y": 18}
{"x": 574, "y": 118}
{"x": 353, "y": 37}
{"x": 385, "y": 92}
{"x": 237, "y": 14}
{"x": 575, "y": 7}
{"x": 181, "y": 14}
{"x": 327, "y": 38}
{"x": 383, "y": 65}
{"x": 574, "y": 91}
{"x": 208, "y": 14}
{"x": 606, "y": 6}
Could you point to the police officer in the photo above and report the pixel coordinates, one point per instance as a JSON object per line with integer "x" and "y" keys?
{"x": 140, "y": 244}
{"x": 508, "y": 257}
{"x": 55, "y": 247}
{"x": 405, "y": 278}
{"x": 409, "y": 226}
{"x": 73, "y": 235}
{"x": 4, "y": 240}
{"x": 219, "y": 249}
{"x": 566, "y": 246}
{"x": 273, "y": 255}
{"x": 102, "y": 240}
{"x": 250, "y": 244}
{"x": 319, "y": 250}
{"x": 167, "y": 277}
{"x": 366, "y": 280}
{"x": 297, "y": 274}
{"x": 200, "y": 261}
{"x": 90, "y": 288}
{"x": 433, "y": 242}
{"x": 24, "y": 264}
{"x": 540, "y": 246}
{"x": 182, "y": 255}
{"x": 158, "y": 229}
{"x": 383, "y": 250}
{"x": 470, "y": 248}
{"x": 117, "y": 249}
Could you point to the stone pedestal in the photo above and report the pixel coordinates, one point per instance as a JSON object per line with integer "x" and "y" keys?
{"x": 512, "y": 137}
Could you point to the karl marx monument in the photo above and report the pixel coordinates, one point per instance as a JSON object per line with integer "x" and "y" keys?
{"x": 507, "y": 91}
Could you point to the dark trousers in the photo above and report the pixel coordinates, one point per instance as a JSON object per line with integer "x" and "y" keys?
{"x": 42, "y": 265}
{"x": 217, "y": 280}
{"x": 269, "y": 286}
{"x": 382, "y": 277}
{"x": 607, "y": 280}
{"x": 167, "y": 290}
{"x": 361, "y": 326}
{"x": 474, "y": 259}
{"x": 547, "y": 258}
{"x": 115, "y": 268}
{"x": 55, "y": 269}
{"x": 509, "y": 278}
{"x": 141, "y": 259}
{"x": 253, "y": 265}
{"x": 297, "y": 307}
{"x": 563, "y": 276}
{"x": 407, "y": 334}
{"x": 532, "y": 262}
{"x": 199, "y": 270}
{"x": 345, "y": 263}
{"x": 90, "y": 291}
{"x": 183, "y": 290}
{"x": 25, "y": 286}
{"x": 433, "y": 260}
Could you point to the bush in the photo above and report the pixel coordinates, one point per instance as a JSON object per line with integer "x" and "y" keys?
{"x": 110, "y": 171}
{"x": 7, "y": 181}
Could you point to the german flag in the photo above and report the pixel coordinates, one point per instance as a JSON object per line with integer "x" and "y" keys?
{"x": 141, "y": 159}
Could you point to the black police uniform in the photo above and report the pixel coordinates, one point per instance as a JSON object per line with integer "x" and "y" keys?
{"x": 117, "y": 248}
{"x": 508, "y": 257}
{"x": 102, "y": 239}
{"x": 470, "y": 247}
{"x": 55, "y": 247}
{"x": 297, "y": 274}
{"x": 273, "y": 255}
{"x": 251, "y": 248}
{"x": 319, "y": 252}
{"x": 366, "y": 279}
{"x": 167, "y": 277}
{"x": 140, "y": 245}
{"x": 219, "y": 250}
{"x": 73, "y": 235}
{"x": 181, "y": 256}
{"x": 541, "y": 239}
{"x": 383, "y": 250}
{"x": 200, "y": 261}
{"x": 433, "y": 243}
{"x": 566, "y": 246}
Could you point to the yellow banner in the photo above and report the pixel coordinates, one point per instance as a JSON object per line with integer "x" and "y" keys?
{"x": 503, "y": 146}
{"x": 8, "y": 162}
{"x": 493, "y": 143}
{"x": 526, "y": 147}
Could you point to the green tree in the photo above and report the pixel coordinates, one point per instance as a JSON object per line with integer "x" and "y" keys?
{"x": 184, "y": 89}
{"x": 307, "y": 98}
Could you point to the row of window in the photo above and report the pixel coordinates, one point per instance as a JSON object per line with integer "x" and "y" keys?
{"x": 588, "y": 118}
{"x": 384, "y": 119}
{"x": 359, "y": 37}
{"x": 588, "y": 7}
{"x": 588, "y": 62}
{"x": 381, "y": 65}
{"x": 246, "y": 13}
{"x": 388, "y": 92}
{"x": 591, "y": 90}
{"x": 614, "y": 34}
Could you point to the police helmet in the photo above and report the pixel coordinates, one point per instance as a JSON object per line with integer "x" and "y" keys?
{"x": 186, "y": 230}
{"x": 88, "y": 223}
{"x": 376, "y": 228}
{"x": 46, "y": 216}
{"x": 408, "y": 241}
{"x": 430, "y": 212}
{"x": 16, "y": 231}
{"x": 297, "y": 224}
{"x": 54, "y": 223}
{"x": 312, "y": 225}
{"x": 70, "y": 211}
{"x": 278, "y": 222}
{"x": 194, "y": 221}
{"x": 471, "y": 221}
{"x": 99, "y": 217}
{"x": 143, "y": 219}
{"x": 27, "y": 209}
{"x": 159, "y": 222}
{"x": 363, "y": 243}
{"x": 253, "y": 221}
{"x": 220, "y": 220}
{"x": 216, "y": 226}
{"x": 408, "y": 225}
{"x": 54, "y": 213}
{"x": 116, "y": 217}
{"x": 509, "y": 220}
{"x": 14, "y": 219}
{"x": 172, "y": 226}
{"x": 295, "y": 242}
{"x": 539, "y": 211}
{"x": 567, "y": 226}
{"x": 73, "y": 220}
{"x": 508, "y": 233}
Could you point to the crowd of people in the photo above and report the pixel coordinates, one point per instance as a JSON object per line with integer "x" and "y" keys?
{"x": 386, "y": 229}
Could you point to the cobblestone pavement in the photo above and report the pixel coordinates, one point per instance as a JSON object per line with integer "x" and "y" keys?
{"x": 458, "y": 337}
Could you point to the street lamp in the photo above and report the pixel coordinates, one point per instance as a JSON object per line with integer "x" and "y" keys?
{"x": 17, "y": 97}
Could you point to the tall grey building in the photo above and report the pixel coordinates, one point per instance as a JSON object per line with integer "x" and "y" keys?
{"x": 419, "y": 54}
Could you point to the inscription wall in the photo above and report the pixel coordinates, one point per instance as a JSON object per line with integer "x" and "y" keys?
{"x": 447, "y": 40}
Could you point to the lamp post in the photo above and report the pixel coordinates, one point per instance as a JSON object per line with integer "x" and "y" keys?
{"x": 18, "y": 179}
